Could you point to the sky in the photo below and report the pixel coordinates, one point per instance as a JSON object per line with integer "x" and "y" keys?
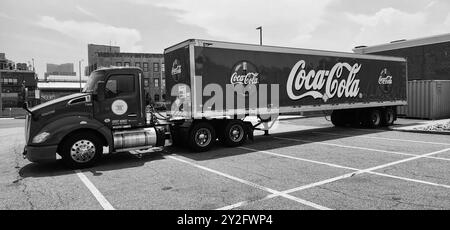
{"x": 58, "y": 31}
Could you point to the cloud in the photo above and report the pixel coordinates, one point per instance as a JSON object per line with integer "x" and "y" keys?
{"x": 85, "y": 12}
{"x": 392, "y": 24}
{"x": 285, "y": 22}
{"x": 94, "y": 32}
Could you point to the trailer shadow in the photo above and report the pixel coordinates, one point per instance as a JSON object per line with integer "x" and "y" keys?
{"x": 314, "y": 135}
{"x": 108, "y": 163}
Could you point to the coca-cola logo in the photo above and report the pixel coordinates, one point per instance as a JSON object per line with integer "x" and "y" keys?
{"x": 385, "y": 81}
{"x": 339, "y": 81}
{"x": 244, "y": 73}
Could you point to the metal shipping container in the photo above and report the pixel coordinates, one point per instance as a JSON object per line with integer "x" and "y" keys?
{"x": 427, "y": 100}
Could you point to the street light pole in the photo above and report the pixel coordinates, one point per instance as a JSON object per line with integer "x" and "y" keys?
{"x": 260, "y": 35}
{"x": 79, "y": 72}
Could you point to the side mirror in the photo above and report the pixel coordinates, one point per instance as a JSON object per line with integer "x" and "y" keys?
{"x": 101, "y": 90}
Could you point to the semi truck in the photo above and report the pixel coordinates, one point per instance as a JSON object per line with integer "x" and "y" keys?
{"x": 213, "y": 87}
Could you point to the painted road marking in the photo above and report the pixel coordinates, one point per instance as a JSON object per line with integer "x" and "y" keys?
{"x": 269, "y": 190}
{"x": 383, "y": 138}
{"x": 355, "y": 169}
{"x": 360, "y": 148}
{"x": 97, "y": 194}
{"x": 348, "y": 175}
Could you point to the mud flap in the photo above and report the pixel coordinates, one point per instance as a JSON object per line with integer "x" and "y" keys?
{"x": 249, "y": 129}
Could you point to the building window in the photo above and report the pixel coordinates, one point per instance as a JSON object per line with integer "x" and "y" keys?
{"x": 155, "y": 67}
{"x": 156, "y": 81}
{"x": 156, "y": 97}
{"x": 146, "y": 82}
{"x": 145, "y": 65}
{"x": 163, "y": 84}
{"x": 163, "y": 68}
{"x": 118, "y": 63}
{"x": 137, "y": 64}
{"x": 127, "y": 64}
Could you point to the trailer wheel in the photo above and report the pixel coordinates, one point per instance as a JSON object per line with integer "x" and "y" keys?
{"x": 233, "y": 134}
{"x": 201, "y": 137}
{"x": 388, "y": 117}
{"x": 81, "y": 150}
{"x": 337, "y": 118}
{"x": 372, "y": 118}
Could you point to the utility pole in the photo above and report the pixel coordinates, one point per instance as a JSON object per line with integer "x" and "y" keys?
{"x": 260, "y": 35}
{"x": 1, "y": 90}
{"x": 79, "y": 72}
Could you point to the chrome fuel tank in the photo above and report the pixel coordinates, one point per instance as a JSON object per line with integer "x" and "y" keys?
{"x": 136, "y": 138}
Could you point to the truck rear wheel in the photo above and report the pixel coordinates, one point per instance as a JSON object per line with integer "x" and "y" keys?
{"x": 233, "y": 134}
{"x": 81, "y": 150}
{"x": 372, "y": 118}
{"x": 388, "y": 117}
{"x": 201, "y": 137}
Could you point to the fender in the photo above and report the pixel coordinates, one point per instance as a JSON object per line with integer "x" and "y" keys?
{"x": 63, "y": 126}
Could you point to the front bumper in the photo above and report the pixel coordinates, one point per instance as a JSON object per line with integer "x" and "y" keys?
{"x": 40, "y": 153}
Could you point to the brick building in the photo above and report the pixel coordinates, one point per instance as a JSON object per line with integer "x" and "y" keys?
{"x": 151, "y": 64}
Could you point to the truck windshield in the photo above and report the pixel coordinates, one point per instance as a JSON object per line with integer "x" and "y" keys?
{"x": 91, "y": 84}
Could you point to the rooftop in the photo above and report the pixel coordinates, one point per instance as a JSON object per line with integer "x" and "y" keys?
{"x": 131, "y": 55}
{"x": 401, "y": 44}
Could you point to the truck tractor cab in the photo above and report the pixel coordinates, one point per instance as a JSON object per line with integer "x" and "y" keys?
{"x": 109, "y": 112}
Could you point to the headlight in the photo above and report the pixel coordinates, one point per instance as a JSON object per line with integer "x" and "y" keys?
{"x": 41, "y": 137}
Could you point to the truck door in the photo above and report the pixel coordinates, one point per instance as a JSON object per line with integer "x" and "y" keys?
{"x": 121, "y": 107}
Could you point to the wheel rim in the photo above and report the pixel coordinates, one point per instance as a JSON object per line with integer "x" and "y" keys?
{"x": 390, "y": 119}
{"x": 203, "y": 137}
{"x": 82, "y": 151}
{"x": 236, "y": 133}
{"x": 376, "y": 118}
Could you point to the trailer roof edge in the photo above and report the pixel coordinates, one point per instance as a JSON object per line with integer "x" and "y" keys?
{"x": 255, "y": 47}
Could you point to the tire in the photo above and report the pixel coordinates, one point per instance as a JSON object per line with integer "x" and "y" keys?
{"x": 201, "y": 137}
{"x": 81, "y": 150}
{"x": 337, "y": 118}
{"x": 233, "y": 133}
{"x": 388, "y": 117}
{"x": 372, "y": 118}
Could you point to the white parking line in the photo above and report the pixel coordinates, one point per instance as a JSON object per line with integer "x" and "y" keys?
{"x": 97, "y": 194}
{"x": 269, "y": 190}
{"x": 383, "y": 138}
{"x": 360, "y": 148}
{"x": 348, "y": 175}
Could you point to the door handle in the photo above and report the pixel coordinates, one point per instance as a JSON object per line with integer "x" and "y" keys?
{"x": 132, "y": 115}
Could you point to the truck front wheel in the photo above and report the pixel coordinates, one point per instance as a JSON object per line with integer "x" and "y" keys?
{"x": 81, "y": 150}
{"x": 201, "y": 137}
{"x": 233, "y": 133}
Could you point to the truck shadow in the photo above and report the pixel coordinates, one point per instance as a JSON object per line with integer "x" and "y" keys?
{"x": 267, "y": 143}
{"x": 111, "y": 162}
{"x": 126, "y": 160}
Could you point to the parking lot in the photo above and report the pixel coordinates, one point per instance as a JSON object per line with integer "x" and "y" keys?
{"x": 304, "y": 164}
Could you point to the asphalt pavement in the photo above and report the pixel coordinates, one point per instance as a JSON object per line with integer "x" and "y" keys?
{"x": 304, "y": 164}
